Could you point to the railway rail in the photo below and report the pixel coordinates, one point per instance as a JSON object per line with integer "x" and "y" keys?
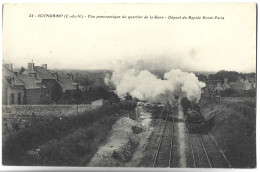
{"x": 220, "y": 150}
{"x": 163, "y": 155}
{"x": 203, "y": 150}
{"x": 204, "y": 157}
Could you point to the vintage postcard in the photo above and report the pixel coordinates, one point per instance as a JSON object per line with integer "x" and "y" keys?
{"x": 129, "y": 85}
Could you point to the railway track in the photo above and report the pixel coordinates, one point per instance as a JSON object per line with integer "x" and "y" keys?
{"x": 206, "y": 152}
{"x": 163, "y": 155}
{"x": 199, "y": 153}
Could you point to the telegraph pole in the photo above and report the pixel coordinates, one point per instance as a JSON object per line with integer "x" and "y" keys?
{"x": 77, "y": 97}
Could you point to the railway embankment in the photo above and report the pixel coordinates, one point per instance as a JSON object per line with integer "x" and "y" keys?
{"x": 125, "y": 143}
{"x": 233, "y": 123}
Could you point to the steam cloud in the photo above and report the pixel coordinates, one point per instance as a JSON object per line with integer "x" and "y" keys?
{"x": 144, "y": 85}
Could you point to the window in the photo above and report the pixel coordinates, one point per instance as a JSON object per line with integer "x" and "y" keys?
{"x": 12, "y": 99}
{"x": 19, "y": 98}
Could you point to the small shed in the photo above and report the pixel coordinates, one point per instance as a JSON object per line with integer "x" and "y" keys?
{"x": 97, "y": 103}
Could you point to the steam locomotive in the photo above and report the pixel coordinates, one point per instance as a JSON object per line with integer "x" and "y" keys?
{"x": 195, "y": 122}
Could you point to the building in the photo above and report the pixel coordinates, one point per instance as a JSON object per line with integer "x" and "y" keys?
{"x": 66, "y": 83}
{"x": 69, "y": 88}
{"x": 97, "y": 103}
{"x": 35, "y": 84}
{"x": 225, "y": 84}
{"x": 251, "y": 80}
{"x": 46, "y": 78}
{"x": 241, "y": 84}
{"x": 34, "y": 90}
{"x": 12, "y": 86}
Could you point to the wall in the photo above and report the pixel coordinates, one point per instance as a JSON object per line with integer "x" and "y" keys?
{"x": 51, "y": 84}
{"x": 57, "y": 110}
{"x": 21, "y": 114}
{"x": 32, "y": 96}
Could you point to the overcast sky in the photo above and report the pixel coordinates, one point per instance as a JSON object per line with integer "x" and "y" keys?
{"x": 201, "y": 45}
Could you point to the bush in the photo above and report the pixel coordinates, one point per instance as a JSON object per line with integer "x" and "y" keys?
{"x": 43, "y": 129}
{"x": 234, "y": 93}
{"x": 229, "y": 92}
{"x": 137, "y": 129}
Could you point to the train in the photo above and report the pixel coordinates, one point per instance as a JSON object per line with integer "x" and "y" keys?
{"x": 195, "y": 121}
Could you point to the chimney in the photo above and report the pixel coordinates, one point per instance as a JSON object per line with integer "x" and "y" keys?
{"x": 225, "y": 81}
{"x": 16, "y": 73}
{"x": 30, "y": 66}
{"x": 44, "y": 66}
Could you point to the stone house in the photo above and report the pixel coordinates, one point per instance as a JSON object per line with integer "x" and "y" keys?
{"x": 45, "y": 77}
{"x": 35, "y": 83}
{"x": 69, "y": 87}
{"x": 33, "y": 89}
{"x": 240, "y": 84}
{"x": 12, "y": 86}
{"x": 225, "y": 84}
{"x": 251, "y": 81}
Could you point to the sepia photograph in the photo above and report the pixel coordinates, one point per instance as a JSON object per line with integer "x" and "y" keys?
{"x": 129, "y": 85}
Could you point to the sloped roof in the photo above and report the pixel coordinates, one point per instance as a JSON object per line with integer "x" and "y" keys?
{"x": 237, "y": 85}
{"x": 28, "y": 72}
{"x": 66, "y": 83}
{"x": 29, "y": 81}
{"x": 42, "y": 73}
{"x": 8, "y": 74}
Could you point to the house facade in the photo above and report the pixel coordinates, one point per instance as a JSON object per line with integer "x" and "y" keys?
{"x": 12, "y": 87}
{"x": 34, "y": 84}
{"x": 69, "y": 88}
{"x": 34, "y": 90}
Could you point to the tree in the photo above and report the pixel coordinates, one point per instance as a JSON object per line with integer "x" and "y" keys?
{"x": 56, "y": 92}
{"x": 202, "y": 77}
{"x": 231, "y": 75}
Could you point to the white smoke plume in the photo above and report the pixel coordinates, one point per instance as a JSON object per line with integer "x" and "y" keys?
{"x": 144, "y": 85}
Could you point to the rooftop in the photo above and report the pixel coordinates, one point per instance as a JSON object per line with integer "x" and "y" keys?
{"x": 29, "y": 81}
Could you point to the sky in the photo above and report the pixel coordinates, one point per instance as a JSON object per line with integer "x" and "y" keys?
{"x": 90, "y": 43}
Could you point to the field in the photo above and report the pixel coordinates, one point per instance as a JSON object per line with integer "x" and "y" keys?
{"x": 233, "y": 122}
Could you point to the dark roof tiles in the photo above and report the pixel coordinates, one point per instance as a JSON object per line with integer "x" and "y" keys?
{"x": 66, "y": 83}
{"x": 8, "y": 74}
{"x": 42, "y": 73}
{"x": 30, "y": 81}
